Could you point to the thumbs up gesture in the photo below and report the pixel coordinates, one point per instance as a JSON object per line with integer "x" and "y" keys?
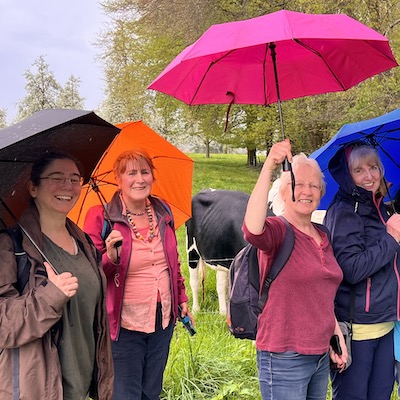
{"x": 67, "y": 283}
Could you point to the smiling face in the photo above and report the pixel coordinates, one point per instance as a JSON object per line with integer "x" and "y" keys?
{"x": 365, "y": 168}
{"x": 307, "y": 192}
{"x": 53, "y": 194}
{"x": 135, "y": 183}
{"x": 309, "y": 187}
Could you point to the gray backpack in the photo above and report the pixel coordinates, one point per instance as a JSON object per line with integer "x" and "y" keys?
{"x": 245, "y": 299}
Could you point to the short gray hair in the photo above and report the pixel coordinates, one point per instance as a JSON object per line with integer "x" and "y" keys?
{"x": 300, "y": 160}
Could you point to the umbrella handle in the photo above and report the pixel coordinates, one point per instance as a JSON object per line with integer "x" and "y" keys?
{"x": 287, "y": 166}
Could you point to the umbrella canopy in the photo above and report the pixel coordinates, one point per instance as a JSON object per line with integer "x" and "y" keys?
{"x": 173, "y": 172}
{"x": 382, "y": 132}
{"x": 83, "y": 134}
{"x": 232, "y": 63}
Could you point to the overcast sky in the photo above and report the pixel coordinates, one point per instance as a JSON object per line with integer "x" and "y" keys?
{"x": 63, "y": 31}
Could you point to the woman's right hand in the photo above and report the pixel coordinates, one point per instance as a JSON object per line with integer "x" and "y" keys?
{"x": 277, "y": 155}
{"x": 67, "y": 283}
{"x": 113, "y": 238}
{"x": 393, "y": 226}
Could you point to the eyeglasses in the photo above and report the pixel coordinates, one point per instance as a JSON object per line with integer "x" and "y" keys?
{"x": 60, "y": 180}
{"x": 312, "y": 186}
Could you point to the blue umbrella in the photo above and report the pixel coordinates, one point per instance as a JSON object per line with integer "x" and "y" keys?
{"x": 382, "y": 132}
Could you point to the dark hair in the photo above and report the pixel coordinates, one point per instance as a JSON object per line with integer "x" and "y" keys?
{"x": 46, "y": 159}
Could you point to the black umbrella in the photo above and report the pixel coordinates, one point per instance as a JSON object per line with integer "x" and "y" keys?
{"x": 81, "y": 133}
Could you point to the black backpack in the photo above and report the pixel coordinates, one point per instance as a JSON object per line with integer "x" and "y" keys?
{"x": 23, "y": 263}
{"x": 245, "y": 299}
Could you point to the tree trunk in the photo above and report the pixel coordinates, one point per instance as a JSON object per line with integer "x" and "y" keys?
{"x": 207, "y": 148}
{"x": 252, "y": 157}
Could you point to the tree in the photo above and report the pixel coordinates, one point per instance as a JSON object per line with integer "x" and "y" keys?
{"x": 3, "y": 118}
{"x": 42, "y": 90}
{"x": 68, "y": 96}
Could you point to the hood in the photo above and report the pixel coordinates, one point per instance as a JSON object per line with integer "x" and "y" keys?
{"x": 339, "y": 169}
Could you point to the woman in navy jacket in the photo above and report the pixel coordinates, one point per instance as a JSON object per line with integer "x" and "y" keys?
{"x": 365, "y": 240}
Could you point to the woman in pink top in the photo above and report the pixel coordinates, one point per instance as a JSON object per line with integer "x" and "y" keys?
{"x": 144, "y": 281}
{"x": 298, "y": 320}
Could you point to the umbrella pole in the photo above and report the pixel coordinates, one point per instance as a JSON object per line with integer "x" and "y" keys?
{"x": 103, "y": 202}
{"x": 286, "y": 166}
{"x": 28, "y": 235}
{"x": 272, "y": 46}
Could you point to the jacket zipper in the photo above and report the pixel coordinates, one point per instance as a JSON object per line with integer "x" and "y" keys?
{"x": 368, "y": 295}
{"x": 398, "y": 289}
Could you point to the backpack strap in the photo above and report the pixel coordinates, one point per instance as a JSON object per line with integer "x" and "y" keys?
{"x": 106, "y": 226}
{"x": 23, "y": 263}
{"x": 284, "y": 252}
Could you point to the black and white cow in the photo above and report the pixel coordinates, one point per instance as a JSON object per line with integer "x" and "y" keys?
{"x": 214, "y": 236}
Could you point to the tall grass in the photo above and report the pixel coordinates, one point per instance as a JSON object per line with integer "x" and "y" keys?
{"x": 212, "y": 364}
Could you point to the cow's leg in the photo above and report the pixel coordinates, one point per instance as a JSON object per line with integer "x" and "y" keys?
{"x": 195, "y": 286}
{"x": 222, "y": 288}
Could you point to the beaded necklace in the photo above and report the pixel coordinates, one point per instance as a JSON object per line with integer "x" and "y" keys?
{"x": 138, "y": 235}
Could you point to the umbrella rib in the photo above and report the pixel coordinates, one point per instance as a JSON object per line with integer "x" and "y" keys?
{"x": 388, "y": 155}
{"x": 206, "y": 72}
{"x": 171, "y": 158}
{"x": 322, "y": 58}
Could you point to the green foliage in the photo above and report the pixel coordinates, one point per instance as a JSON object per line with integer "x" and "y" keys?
{"x": 222, "y": 171}
{"x": 211, "y": 364}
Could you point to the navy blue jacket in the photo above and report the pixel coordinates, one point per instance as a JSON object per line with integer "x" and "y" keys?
{"x": 364, "y": 250}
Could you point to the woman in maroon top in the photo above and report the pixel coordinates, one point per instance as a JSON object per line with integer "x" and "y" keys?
{"x": 298, "y": 320}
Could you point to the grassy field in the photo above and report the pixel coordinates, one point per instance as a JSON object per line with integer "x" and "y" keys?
{"x": 213, "y": 365}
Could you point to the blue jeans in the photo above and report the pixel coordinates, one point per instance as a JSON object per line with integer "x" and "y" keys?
{"x": 371, "y": 374}
{"x": 139, "y": 362}
{"x": 292, "y": 376}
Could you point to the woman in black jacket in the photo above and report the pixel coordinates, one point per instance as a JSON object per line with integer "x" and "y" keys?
{"x": 365, "y": 240}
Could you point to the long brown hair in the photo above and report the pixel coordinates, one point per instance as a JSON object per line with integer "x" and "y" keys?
{"x": 364, "y": 153}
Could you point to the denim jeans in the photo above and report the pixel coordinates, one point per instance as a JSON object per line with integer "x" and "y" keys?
{"x": 292, "y": 376}
{"x": 139, "y": 362}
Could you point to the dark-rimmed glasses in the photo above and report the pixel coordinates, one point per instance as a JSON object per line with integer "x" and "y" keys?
{"x": 60, "y": 180}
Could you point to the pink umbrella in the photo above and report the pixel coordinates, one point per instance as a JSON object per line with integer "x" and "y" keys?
{"x": 238, "y": 62}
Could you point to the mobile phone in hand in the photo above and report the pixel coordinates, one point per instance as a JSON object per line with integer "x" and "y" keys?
{"x": 335, "y": 344}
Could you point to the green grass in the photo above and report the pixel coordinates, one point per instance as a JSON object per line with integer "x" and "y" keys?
{"x": 212, "y": 364}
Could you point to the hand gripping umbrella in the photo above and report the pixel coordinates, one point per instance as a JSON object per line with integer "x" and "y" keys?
{"x": 275, "y": 57}
{"x": 80, "y": 133}
{"x": 173, "y": 173}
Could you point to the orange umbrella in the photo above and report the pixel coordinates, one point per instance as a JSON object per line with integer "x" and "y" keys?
{"x": 173, "y": 172}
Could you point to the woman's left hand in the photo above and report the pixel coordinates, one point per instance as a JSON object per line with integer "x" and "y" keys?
{"x": 339, "y": 360}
